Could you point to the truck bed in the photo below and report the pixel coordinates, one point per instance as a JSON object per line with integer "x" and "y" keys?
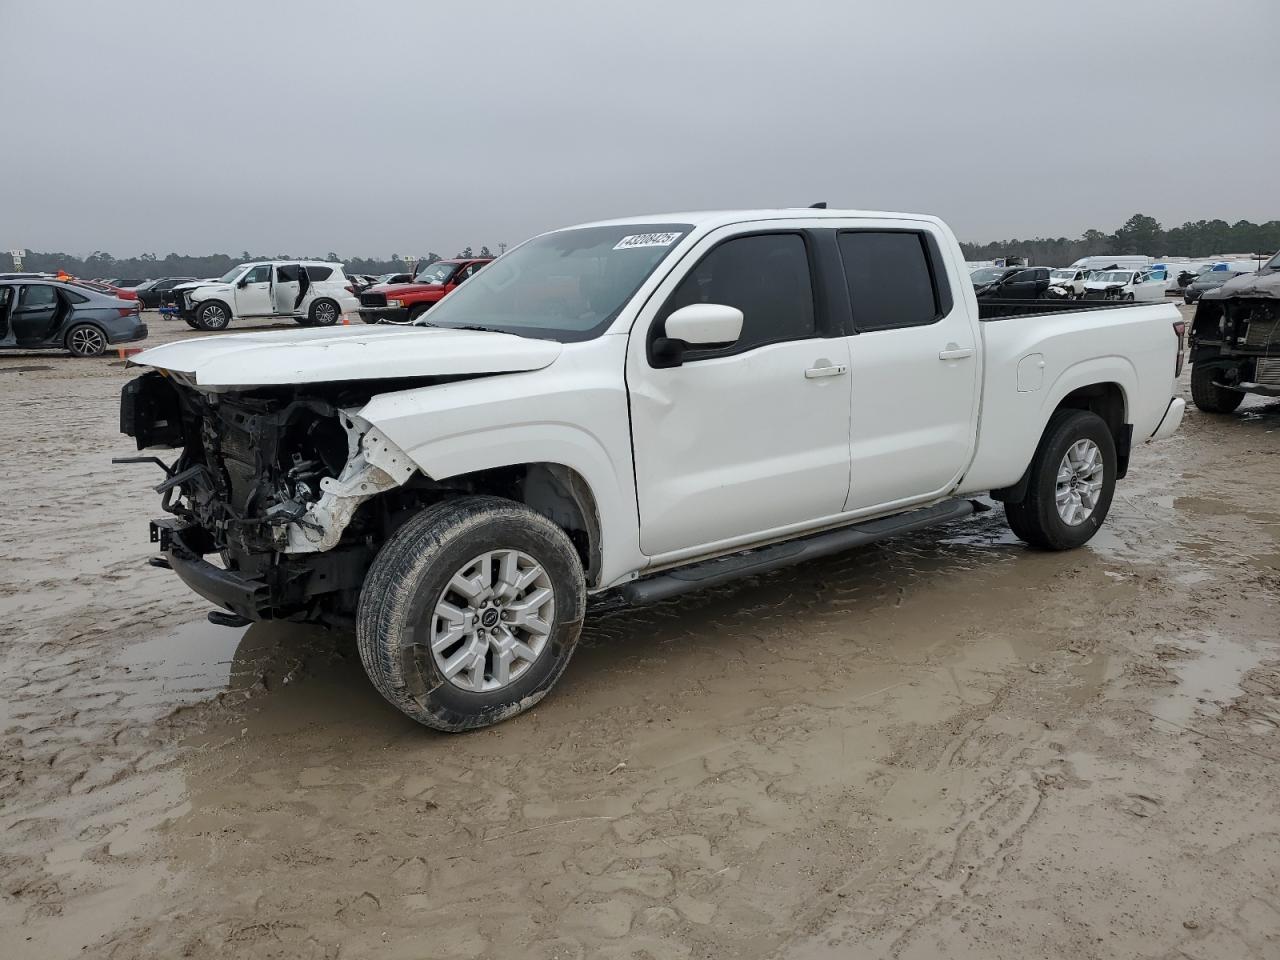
{"x": 994, "y": 309}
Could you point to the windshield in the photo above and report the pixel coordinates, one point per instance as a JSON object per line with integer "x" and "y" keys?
{"x": 438, "y": 271}
{"x": 564, "y": 286}
{"x": 232, "y": 273}
{"x": 986, "y": 275}
{"x": 1112, "y": 276}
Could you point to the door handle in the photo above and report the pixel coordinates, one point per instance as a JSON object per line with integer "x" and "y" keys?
{"x": 955, "y": 352}
{"x": 826, "y": 370}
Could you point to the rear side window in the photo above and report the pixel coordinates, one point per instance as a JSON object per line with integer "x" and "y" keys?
{"x": 891, "y": 283}
{"x": 74, "y": 297}
{"x": 766, "y": 276}
{"x": 37, "y": 295}
{"x": 319, "y": 273}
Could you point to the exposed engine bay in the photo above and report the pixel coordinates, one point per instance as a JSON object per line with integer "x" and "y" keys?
{"x": 1237, "y": 332}
{"x": 272, "y": 481}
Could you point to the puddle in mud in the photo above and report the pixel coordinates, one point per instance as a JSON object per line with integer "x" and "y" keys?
{"x": 200, "y": 660}
{"x": 1207, "y": 680}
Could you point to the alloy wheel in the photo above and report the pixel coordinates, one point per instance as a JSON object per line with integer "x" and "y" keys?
{"x": 1079, "y": 483}
{"x": 492, "y": 620}
{"x": 87, "y": 342}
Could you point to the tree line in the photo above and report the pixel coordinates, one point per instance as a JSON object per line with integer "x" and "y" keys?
{"x": 150, "y": 267}
{"x": 1140, "y": 234}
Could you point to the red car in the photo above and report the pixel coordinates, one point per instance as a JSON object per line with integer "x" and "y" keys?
{"x": 118, "y": 292}
{"x": 406, "y": 302}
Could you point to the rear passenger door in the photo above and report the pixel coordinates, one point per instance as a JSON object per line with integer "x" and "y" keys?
{"x": 748, "y": 439}
{"x": 35, "y": 316}
{"x": 914, "y": 365}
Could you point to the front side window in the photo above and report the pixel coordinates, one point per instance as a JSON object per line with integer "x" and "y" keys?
{"x": 890, "y": 281}
{"x": 568, "y": 285}
{"x": 259, "y": 274}
{"x": 766, "y": 276}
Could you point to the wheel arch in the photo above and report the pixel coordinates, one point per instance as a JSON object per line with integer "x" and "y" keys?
{"x": 1108, "y": 398}
{"x": 558, "y": 492}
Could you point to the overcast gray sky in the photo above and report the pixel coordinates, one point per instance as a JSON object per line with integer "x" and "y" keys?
{"x": 370, "y": 128}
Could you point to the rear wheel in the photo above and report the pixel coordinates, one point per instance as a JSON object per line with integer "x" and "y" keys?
{"x": 1210, "y": 397}
{"x": 1072, "y": 481}
{"x": 471, "y": 612}
{"x": 86, "y": 340}
{"x": 324, "y": 313}
{"x": 212, "y": 315}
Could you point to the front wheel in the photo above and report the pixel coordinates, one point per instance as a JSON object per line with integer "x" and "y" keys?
{"x": 1072, "y": 481}
{"x": 470, "y": 612}
{"x": 1210, "y": 397}
{"x": 212, "y": 315}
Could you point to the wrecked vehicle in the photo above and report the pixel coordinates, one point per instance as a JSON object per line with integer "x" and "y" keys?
{"x": 631, "y": 410}
{"x": 1235, "y": 340}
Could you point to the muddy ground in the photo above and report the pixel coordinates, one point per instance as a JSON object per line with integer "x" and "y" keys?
{"x": 946, "y": 745}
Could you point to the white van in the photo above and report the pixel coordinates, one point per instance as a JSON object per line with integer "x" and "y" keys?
{"x": 1118, "y": 262}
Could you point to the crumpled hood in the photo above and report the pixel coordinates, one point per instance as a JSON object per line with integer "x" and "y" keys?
{"x": 1265, "y": 284}
{"x": 283, "y": 357}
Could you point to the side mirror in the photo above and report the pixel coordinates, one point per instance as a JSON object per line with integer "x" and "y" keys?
{"x": 243, "y": 282}
{"x": 699, "y": 324}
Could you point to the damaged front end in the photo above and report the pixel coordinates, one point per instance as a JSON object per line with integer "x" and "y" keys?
{"x": 279, "y": 486}
{"x": 1236, "y": 333}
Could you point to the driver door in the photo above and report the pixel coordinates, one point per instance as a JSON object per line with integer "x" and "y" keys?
{"x": 749, "y": 438}
{"x": 253, "y": 292}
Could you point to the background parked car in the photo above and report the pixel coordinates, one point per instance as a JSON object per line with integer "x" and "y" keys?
{"x": 101, "y": 286}
{"x": 1011, "y": 283}
{"x": 1068, "y": 282}
{"x": 52, "y": 314}
{"x": 1144, "y": 285}
{"x": 150, "y": 295}
{"x": 1209, "y": 280}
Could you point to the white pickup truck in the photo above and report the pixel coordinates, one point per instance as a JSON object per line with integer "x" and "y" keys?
{"x": 630, "y": 410}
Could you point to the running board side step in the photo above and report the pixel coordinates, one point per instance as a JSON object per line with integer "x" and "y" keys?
{"x": 711, "y": 573}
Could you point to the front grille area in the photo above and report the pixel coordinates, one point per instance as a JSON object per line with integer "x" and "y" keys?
{"x": 1267, "y": 373}
{"x": 1263, "y": 333}
{"x": 373, "y": 299}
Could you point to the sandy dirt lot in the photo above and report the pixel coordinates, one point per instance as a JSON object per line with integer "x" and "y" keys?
{"x": 945, "y": 745}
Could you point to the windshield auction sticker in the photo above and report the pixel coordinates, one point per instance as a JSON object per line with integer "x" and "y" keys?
{"x": 647, "y": 240}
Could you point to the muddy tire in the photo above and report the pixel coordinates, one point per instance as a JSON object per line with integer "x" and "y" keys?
{"x": 86, "y": 340}
{"x": 1072, "y": 481}
{"x": 470, "y": 612}
{"x": 190, "y": 321}
{"x": 1208, "y": 396}
{"x": 418, "y": 311}
{"x": 212, "y": 315}
{"x": 324, "y": 313}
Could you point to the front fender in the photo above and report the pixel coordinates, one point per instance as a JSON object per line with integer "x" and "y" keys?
{"x": 572, "y": 413}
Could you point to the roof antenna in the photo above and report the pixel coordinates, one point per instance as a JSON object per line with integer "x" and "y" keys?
{"x": 820, "y": 205}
